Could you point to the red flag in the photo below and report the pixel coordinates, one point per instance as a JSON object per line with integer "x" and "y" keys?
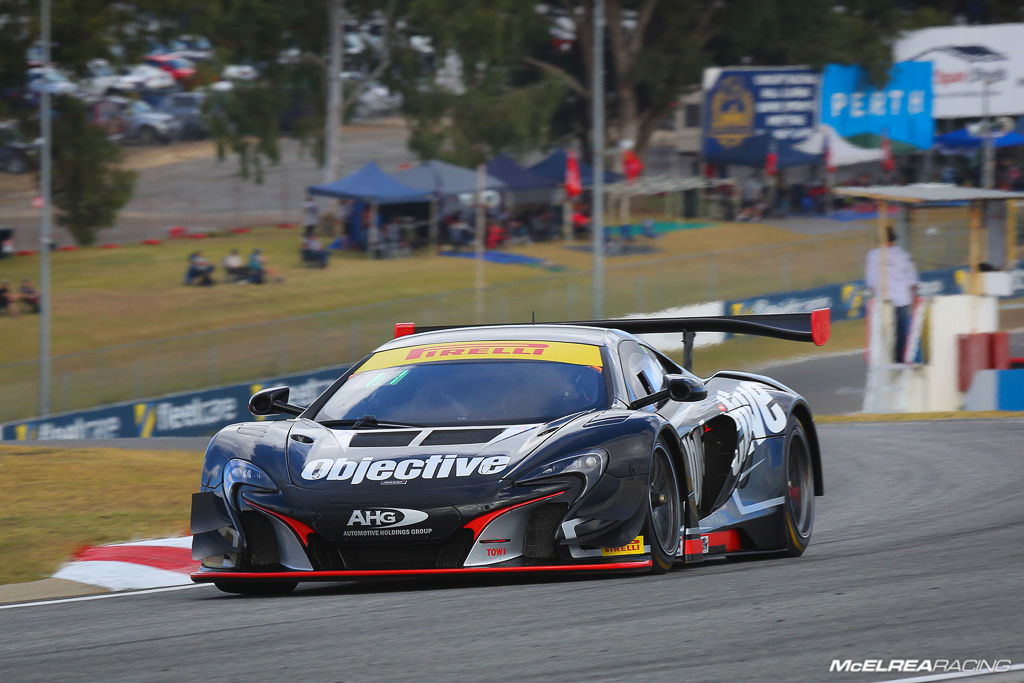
{"x": 771, "y": 160}
{"x": 631, "y": 164}
{"x": 888, "y": 163}
{"x": 573, "y": 183}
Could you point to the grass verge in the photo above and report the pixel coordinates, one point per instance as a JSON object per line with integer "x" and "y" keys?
{"x": 56, "y": 501}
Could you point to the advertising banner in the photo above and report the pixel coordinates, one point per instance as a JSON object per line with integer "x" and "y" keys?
{"x": 976, "y": 70}
{"x": 902, "y": 109}
{"x": 196, "y": 413}
{"x": 741, "y": 103}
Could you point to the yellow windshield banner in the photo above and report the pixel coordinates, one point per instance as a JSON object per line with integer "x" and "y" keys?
{"x": 558, "y": 352}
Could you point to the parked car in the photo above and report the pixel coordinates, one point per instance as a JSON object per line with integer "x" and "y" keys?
{"x": 17, "y": 155}
{"x": 180, "y": 68}
{"x": 103, "y": 79}
{"x": 49, "y": 79}
{"x": 144, "y": 77}
{"x": 187, "y": 108}
{"x": 194, "y": 48}
{"x": 133, "y": 120}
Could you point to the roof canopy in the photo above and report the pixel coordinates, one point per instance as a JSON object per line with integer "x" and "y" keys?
{"x": 515, "y": 177}
{"x": 921, "y": 193}
{"x": 553, "y": 168}
{"x": 963, "y": 139}
{"x": 443, "y": 178}
{"x": 371, "y": 184}
{"x": 842, "y": 152}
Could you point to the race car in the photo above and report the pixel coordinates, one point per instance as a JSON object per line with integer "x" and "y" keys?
{"x": 571, "y": 447}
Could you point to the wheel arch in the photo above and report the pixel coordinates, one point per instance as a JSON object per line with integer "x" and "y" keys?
{"x": 671, "y": 438}
{"x": 803, "y": 413}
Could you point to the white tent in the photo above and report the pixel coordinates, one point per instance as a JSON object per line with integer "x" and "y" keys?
{"x": 843, "y": 153}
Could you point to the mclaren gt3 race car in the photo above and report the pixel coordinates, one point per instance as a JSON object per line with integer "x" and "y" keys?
{"x": 514, "y": 448}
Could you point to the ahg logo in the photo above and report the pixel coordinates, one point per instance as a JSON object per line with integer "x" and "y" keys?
{"x": 383, "y": 518}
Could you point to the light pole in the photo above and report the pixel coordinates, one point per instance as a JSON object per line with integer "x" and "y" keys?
{"x": 597, "y": 138}
{"x": 45, "y": 224}
{"x": 332, "y": 125}
{"x": 987, "y": 143}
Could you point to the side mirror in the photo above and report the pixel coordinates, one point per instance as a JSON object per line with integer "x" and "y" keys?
{"x": 272, "y": 401}
{"x": 679, "y": 388}
{"x": 685, "y": 389}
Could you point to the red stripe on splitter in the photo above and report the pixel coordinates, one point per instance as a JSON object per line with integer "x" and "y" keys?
{"x": 301, "y": 530}
{"x": 723, "y": 541}
{"x": 693, "y": 547}
{"x": 200, "y": 577}
{"x": 156, "y": 556}
{"x": 478, "y": 524}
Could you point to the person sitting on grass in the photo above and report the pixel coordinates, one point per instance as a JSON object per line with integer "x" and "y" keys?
{"x": 8, "y": 300}
{"x": 260, "y": 271}
{"x": 234, "y": 267}
{"x": 199, "y": 270}
{"x": 29, "y": 296}
{"x": 313, "y": 253}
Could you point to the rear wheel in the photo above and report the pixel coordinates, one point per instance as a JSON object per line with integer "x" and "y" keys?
{"x": 664, "y": 510}
{"x": 799, "y": 505}
{"x": 148, "y": 136}
{"x": 258, "y": 587}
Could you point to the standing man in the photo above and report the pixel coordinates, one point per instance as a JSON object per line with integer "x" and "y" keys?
{"x": 310, "y": 216}
{"x": 891, "y": 276}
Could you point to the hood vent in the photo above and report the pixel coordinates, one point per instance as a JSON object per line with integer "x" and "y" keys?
{"x": 382, "y": 439}
{"x": 607, "y": 420}
{"x": 455, "y": 437}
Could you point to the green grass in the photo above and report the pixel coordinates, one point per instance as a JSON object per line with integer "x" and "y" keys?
{"x": 101, "y": 496}
{"x": 124, "y": 326}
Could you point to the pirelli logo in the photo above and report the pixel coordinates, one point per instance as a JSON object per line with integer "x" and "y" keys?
{"x": 558, "y": 352}
{"x": 482, "y": 349}
{"x": 634, "y": 547}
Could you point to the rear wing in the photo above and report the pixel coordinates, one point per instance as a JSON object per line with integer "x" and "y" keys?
{"x": 803, "y": 327}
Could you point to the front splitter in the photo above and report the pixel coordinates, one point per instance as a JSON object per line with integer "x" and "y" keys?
{"x": 209, "y": 576}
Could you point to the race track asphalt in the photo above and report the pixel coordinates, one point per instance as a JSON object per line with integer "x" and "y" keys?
{"x": 918, "y": 552}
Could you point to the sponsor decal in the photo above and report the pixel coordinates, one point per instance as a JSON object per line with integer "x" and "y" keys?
{"x": 942, "y": 666}
{"x": 402, "y": 471}
{"x": 757, "y": 415}
{"x": 559, "y": 352}
{"x": 634, "y": 547}
{"x": 78, "y": 428}
{"x": 383, "y": 518}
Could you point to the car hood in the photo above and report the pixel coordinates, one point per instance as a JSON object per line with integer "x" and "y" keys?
{"x": 408, "y": 459}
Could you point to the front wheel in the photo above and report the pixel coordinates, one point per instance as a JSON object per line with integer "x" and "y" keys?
{"x": 664, "y": 510}
{"x": 258, "y": 587}
{"x": 799, "y": 505}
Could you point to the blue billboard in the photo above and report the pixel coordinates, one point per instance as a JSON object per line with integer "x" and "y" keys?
{"x": 902, "y": 109}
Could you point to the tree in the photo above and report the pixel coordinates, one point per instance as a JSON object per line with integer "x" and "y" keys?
{"x": 88, "y": 186}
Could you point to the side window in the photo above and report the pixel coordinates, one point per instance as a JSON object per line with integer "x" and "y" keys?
{"x": 644, "y": 372}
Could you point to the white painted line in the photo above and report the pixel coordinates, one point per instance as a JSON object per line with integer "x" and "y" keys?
{"x": 955, "y": 674}
{"x": 176, "y": 542}
{"x": 102, "y": 596}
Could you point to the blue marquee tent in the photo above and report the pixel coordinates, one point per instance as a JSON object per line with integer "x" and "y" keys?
{"x": 444, "y": 178}
{"x": 508, "y": 170}
{"x": 553, "y": 168}
{"x": 371, "y": 184}
{"x": 963, "y": 140}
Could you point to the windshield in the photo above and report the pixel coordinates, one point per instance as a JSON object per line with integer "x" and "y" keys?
{"x": 140, "y": 107}
{"x": 439, "y": 391}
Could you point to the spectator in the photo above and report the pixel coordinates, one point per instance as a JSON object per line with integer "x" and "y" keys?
{"x": 234, "y": 267}
{"x": 260, "y": 271}
{"x": 495, "y": 235}
{"x": 313, "y": 253}
{"x": 199, "y": 271}
{"x": 893, "y": 280}
{"x": 310, "y": 216}
{"x": 29, "y": 295}
{"x": 8, "y": 299}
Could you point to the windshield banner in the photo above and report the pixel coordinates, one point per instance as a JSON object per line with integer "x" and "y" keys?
{"x": 557, "y": 352}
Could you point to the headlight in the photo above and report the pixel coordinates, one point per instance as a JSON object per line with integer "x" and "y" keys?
{"x": 244, "y": 472}
{"x": 589, "y": 464}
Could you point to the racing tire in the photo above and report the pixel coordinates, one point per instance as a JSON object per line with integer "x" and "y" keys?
{"x": 261, "y": 587}
{"x": 798, "y": 509}
{"x": 664, "y": 510}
